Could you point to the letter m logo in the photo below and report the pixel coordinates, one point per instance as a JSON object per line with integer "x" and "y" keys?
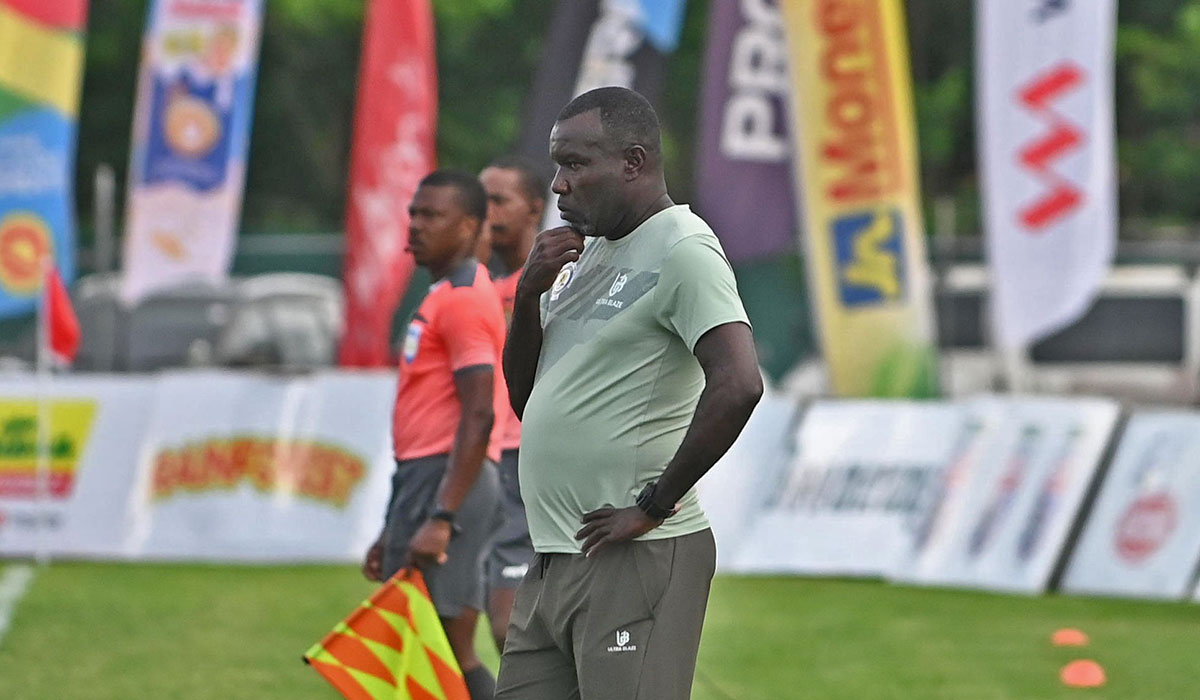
{"x": 1061, "y": 197}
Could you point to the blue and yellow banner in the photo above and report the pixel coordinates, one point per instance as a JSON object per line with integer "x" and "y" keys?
{"x": 856, "y": 148}
{"x": 41, "y": 68}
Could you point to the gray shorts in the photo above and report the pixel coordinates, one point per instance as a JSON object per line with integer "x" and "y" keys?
{"x": 459, "y": 583}
{"x": 622, "y": 625}
{"x": 512, "y": 549}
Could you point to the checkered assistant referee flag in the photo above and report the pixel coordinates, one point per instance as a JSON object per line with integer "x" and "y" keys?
{"x": 392, "y": 647}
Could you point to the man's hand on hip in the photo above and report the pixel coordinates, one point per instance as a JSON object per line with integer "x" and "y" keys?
{"x": 609, "y": 525}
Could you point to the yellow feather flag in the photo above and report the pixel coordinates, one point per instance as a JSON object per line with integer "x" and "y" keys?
{"x": 393, "y": 646}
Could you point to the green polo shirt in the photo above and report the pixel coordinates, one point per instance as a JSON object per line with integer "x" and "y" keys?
{"x": 617, "y": 383}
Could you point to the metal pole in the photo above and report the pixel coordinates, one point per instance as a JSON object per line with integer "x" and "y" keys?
{"x": 42, "y": 468}
{"x": 105, "y": 207}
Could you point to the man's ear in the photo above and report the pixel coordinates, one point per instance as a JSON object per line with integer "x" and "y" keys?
{"x": 635, "y": 161}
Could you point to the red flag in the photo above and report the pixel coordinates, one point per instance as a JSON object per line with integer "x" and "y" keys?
{"x": 394, "y": 126}
{"x": 62, "y": 324}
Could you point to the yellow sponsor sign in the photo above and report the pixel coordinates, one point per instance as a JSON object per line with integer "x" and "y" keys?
{"x": 853, "y": 119}
{"x": 69, "y": 430}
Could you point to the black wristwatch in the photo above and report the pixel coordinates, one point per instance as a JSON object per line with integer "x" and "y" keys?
{"x": 447, "y": 516}
{"x": 645, "y": 501}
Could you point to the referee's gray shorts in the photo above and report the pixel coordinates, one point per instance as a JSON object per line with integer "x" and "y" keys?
{"x": 512, "y": 549}
{"x": 458, "y": 584}
{"x": 622, "y": 625}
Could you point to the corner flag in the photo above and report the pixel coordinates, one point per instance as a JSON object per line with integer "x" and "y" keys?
{"x": 392, "y": 647}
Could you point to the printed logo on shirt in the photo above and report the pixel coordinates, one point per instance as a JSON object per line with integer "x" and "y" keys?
{"x": 618, "y": 284}
{"x": 565, "y": 276}
{"x": 622, "y": 643}
{"x": 412, "y": 340}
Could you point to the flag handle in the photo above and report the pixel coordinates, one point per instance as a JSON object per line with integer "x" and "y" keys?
{"x": 42, "y": 468}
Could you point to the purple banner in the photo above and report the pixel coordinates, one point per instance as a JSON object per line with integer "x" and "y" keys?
{"x": 743, "y": 168}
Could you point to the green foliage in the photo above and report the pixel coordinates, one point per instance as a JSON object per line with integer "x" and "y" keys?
{"x": 488, "y": 50}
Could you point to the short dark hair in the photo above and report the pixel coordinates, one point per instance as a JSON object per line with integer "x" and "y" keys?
{"x": 533, "y": 184}
{"x": 471, "y": 196}
{"x": 626, "y": 116}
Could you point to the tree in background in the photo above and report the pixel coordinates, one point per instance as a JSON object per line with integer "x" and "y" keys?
{"x": 488, "y": 49}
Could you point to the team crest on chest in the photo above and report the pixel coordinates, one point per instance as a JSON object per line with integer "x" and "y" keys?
{"x": 565, "y": 276}
{"x": 412, "y": 340}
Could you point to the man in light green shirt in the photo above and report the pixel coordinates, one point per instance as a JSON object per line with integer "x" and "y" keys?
{"x": 631, "y": 363}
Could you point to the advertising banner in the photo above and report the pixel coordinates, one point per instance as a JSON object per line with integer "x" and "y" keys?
{"x": 41, "y": 69}
{"x": 1143, "y": 535}
{"x": 191, "y": 134}
{"x": 395, "y": 123}
{"x": 1046, "y": 147}
{"x": 850, "y": 489}
{"x": 95, "y": 430}
{"x": 198, "y": 465}
{"x": 744, "y": 186}
{"x": 592, "y": 44}
{"x": 856, "y": 147}
{"x": 733, "y": 489}
{"x": 263, "y": 468}
{"x": 1006, "y": 503}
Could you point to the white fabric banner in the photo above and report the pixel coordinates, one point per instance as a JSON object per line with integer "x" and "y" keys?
{"x": 96, "y": 427}
{"x": 190, "y": 139}
{"x": 1143, "y": 535}
{"x": 1045, "y": 114}
{"x": 1007, "y": 501}
{"x": 848, "y": 492}
{"x": 249, "y": 467}
{"x": 732, "y": 490}
{"x": 199, "y": 465}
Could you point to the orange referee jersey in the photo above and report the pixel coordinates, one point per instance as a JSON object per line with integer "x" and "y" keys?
{"x": 506, "y": 287}
{"x": 460, "y": 324}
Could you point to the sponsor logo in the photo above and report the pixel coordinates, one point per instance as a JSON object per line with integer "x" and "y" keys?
{"x": 860, "y": 156}
{"x": 314, "y": 470}
{"x": 622, "y": 643}
{"x": 565, "y": 276}
{"x": 1145, "y": 527}
{"x": 70, "y": 427}
{"x": 855, "y": 488}
{"x": 1061, "y": 198}
{"x": 515, "y": 571}
{"x": 753, "y": 121}
{"x": 24, "y": 242}
{"x": 618, "y": 284}
{"x": 870, "y": 258}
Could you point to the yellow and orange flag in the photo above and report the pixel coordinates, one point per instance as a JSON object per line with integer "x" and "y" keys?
{"x": 393, "y": 646}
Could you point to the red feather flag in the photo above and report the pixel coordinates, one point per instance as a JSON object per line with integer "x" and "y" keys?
{"x": 62, "y": 326}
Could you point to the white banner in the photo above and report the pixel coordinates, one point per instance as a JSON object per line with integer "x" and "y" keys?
{"x": 1045, "y": 113}
{"x": 732, "y": 490}
{"x": 190, "y": 139}
{"x": 1143, "y": 535}
{"x": 848, "y": 493}
{"x": 205, "y": 465}
{"x": 96, "y": 427}
{"x": 1011, "y": 494}
{"x": 263, "y": 468}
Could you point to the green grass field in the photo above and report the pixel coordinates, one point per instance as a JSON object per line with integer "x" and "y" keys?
{"x": 120, "y": 631}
